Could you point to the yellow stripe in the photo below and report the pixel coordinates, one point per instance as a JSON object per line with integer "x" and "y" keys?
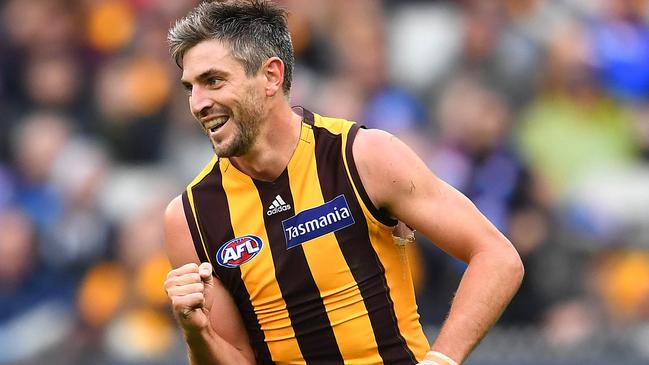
{"x": 397, "y": 274}
{"x": 190, "y": 196}
{"x": 398, "y": 277}
{"x": 333, "y": 125}
{"x": 259, "y": 274}
{"x": 340, "y": 293}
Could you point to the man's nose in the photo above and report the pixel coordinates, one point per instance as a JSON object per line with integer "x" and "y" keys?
{"x": 199, "y": 102}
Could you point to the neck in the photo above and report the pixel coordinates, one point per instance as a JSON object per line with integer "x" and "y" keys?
{"x": 276, "y": 142}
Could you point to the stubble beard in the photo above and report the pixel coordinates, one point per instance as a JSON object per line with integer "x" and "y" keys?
{"x": 247, "y": 119}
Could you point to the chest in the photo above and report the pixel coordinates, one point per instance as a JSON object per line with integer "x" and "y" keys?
{"x": 284, "y": 231}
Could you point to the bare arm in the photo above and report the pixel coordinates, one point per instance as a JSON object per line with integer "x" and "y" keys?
{"x": 210, "y": 321}
{"x": 397, "y": 180}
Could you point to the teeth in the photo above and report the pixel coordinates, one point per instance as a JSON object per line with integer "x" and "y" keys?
{"x": 215, "y": 123}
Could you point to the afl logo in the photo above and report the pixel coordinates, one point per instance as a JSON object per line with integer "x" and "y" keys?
{"x": 238, "y": 251}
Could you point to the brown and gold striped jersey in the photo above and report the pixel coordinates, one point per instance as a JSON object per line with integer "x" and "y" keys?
{"x": 308, "y": 259}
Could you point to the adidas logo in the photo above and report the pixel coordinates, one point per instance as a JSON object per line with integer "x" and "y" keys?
{"x": 279, "y": 205}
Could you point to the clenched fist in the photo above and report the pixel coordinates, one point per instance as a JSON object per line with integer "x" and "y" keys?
{"x": 190, "y": 288}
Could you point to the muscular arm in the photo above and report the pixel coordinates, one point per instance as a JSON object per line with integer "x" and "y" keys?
{"x": 397, "y": 180}
{"x": 205, "y": 310}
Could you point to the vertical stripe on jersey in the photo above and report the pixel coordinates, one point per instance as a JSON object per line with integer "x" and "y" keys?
{"x": 303, "y": 300}
{"x": 259, "y": 273}
{"x": 398, "y": 275}
{"x": 341, "y": 297}
{"x": 210, "y": 207}
{"x": 361, "y": 258}
{"x": 192, "y": 219}
{"x": 199, "y": 245}
{"x": 379, "y": 214}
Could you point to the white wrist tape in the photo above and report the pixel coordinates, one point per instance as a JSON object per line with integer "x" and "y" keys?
{"x": 428, "y": 362}
{"x": 440, "y": 359}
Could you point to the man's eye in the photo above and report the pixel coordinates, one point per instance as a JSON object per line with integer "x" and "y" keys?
{"x": 213, "y": 81}
{"x": 188, "y": 89}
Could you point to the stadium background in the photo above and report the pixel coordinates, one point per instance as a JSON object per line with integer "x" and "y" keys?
{"x": 537, "y": 110}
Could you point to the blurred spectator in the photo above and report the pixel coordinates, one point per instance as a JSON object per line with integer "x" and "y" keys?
{"x": 572, "y": 129}
{"x": 620, "y": 41}
{"x": 80, "y": 235}
{"x": 395, "y": 110}
{"x": 492, "y": 48}
{"x": 581, "y": 141}
{"x": 37, "y": 141}
{"x": 32, "y": 298}
{"x": 571, "y": 324}
{"x": 622, "y": 279}
{"x": 130, "y": 95}
{"x": 641, "y": 129}
{"x": 17, "y": 248}
{"x": 472, "y": 152}
{"x": 52, "y": 80}
{"x": 110, "y": 25}
{"x": 126, "y": 296}
{"x": 424, "y": 39}
{"x": 42, "y": 25}
{"x": 6, "y": 187}
{"x": 474, "y": 156}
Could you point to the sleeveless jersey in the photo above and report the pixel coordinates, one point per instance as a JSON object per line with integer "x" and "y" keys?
{"x": 308, "y": 259}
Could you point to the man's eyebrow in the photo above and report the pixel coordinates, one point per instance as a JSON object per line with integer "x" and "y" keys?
{"x": 207, "y": 74}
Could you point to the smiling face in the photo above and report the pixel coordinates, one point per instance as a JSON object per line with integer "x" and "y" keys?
{"x": 227, "y": 103}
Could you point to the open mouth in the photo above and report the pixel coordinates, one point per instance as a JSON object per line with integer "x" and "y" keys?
{"x": 214, "y": 124}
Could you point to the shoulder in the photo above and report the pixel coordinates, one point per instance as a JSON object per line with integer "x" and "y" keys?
{"x": 387, "y": 166}
{"x": 174, "y": 217}
{"x": 174, "y": 209}
{"x": 379, "y": 146}
{"x": 376, "y": 145}
{"x": 379, "y": 152}
{"x": 368, "y": 149}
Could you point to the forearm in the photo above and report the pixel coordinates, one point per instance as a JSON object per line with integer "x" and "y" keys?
{"x": 486, "y": 288}
{"x": 208, "y": 348}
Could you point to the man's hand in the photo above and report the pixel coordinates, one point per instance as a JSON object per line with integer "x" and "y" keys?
{"x": 190, "y": 288}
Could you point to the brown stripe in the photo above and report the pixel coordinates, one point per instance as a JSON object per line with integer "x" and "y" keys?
{"x": 308, "y": 117}
{"x": 212, "y": 209}
{"x": 193, "y": 230}
{"x": 355, "y": 244}
{"x": 380, "y": 214}
{"x": 306, "y": 310}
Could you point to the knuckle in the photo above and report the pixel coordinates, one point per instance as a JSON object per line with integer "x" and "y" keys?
{"x": 171, "y": 274}
{"x": 175, "y": 292}
{"x": 188, "y": 279}
{"x": 172, "y": 295}
{"x": 170, "y": 281}
{"x": 187, "y": 302}
{"x": 169, "y": 284}
{"x": 177, "y": 305}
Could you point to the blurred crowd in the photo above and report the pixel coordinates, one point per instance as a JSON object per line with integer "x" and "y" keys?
{"x": 537, "y": 110}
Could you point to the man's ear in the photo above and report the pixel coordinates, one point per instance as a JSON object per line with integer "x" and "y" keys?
{"x": 273, "y": 71}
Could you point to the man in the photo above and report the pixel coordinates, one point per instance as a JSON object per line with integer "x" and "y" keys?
{"x": 282, "y": 246}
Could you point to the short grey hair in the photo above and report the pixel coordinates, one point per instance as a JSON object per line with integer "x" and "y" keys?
{"x": 255, "y": 30}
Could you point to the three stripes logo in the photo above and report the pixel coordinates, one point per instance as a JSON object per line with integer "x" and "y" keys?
{"x": 278, "y": 205}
